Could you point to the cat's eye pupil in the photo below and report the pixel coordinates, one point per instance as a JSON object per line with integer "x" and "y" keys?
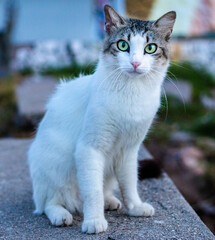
{"x": 150, "y": 47}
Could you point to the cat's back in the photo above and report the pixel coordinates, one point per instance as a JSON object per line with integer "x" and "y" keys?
{"x": 69, "y": 93}
{"x": 66, "y": 109}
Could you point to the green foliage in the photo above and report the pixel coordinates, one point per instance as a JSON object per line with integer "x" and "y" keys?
{"x": 192, "y": 116}
{"x": 26, "y": 71}
{"x": 201, "y": 80}
{"x": 69, "y": 72}
{"x": 62, "y": 72}
{"x": 205, "y": 124}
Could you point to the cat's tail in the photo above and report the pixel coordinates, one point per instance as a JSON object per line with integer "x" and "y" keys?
{"x": 149, "y": 168}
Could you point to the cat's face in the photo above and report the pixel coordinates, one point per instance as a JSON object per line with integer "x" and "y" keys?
{"x": 136, "y": 47}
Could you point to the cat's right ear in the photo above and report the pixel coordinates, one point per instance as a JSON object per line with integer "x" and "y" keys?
{"x": 112, "y": 19}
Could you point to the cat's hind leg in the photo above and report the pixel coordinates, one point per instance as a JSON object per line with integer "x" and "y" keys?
{"x": 111, "y": 202}
{"x": 58, "y": 215}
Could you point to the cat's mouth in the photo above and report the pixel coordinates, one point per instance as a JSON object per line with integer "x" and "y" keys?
{"x": 135, "y": 72}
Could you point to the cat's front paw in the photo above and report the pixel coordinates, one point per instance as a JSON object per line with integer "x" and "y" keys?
{"x": 144, "y": 209}
{"x": 95, "y": 225}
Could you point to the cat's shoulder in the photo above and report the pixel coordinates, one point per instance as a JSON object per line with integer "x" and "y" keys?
{"x": 72, "y": 83}
{"x": 68, "y": 90}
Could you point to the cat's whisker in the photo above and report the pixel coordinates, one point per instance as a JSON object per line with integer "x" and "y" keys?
{"x": 179, "y": 92}
{"x": 119, "y": 90}
{"x": 121, "y": 86}
{"x": 164, "y": 92}
{"x": 172, "y": 62}
{"x": 110, "y": 75}
{"x": 166, "y": 101}
{"x": 148, "y": 76}
{"x": 114, "y": 83}
{"x": 172, "y": 75}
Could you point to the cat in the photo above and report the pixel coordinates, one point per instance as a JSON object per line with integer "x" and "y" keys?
{"x": 87, "y": 143}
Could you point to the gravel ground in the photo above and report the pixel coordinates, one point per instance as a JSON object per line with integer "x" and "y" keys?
{"x": 174, "y": 218}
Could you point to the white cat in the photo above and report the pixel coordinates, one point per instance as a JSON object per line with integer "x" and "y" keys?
{"x": 88, "y": 140}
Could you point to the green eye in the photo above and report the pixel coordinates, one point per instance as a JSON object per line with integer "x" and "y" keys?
{"x": 122, "y": 45}
{"x": 151, "y": 48}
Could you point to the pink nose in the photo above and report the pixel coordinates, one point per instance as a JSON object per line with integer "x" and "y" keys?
{"x": 135, "y": 65}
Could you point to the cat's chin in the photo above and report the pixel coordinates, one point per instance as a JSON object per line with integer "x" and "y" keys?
{"x": 135, "y": 74}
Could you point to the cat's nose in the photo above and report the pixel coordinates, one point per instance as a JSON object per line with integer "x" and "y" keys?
{"x": 135, "y": 65}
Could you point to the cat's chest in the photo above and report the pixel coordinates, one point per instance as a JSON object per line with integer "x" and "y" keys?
{"x": 119, "y": 117}
{"x": 134, "y": 108}
{"x": 132, "y": 115}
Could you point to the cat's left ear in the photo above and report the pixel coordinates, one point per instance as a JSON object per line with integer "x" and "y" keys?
{"x": 112, "y": 19}
{"x": 165, "y": 24}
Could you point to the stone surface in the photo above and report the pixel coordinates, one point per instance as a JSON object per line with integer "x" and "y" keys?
{"x": 32, "y": 95}
{"x": 144, "y": 153}
{"x": 174, "y": 218}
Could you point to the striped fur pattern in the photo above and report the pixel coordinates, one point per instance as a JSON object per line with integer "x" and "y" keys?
{"x": 157, "y": 32}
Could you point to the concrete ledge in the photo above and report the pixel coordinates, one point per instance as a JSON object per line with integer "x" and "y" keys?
{"x": 174, "y": 218}
{"x": 32, "y": 95}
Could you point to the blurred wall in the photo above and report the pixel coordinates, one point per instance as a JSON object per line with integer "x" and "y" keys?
{"x": 40, "y": 20}
{"x": 194, "y": 17}
{"x": 53, "y": 19}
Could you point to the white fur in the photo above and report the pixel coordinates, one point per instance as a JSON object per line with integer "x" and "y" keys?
{"x": 137, "y": 45}
{"x": 88, "y": 140}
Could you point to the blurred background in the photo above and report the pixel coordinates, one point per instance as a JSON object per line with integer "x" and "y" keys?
{"x": 44, "y": 40}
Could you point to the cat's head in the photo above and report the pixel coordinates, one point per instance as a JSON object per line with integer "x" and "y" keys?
{"x": 136, "y": 47}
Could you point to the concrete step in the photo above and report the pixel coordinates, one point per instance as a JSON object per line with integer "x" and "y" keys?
{"x": 174, "y": 218}
{"x": 32, "y": 95}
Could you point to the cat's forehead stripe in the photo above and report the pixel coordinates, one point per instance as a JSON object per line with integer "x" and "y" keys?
{"x": 131, "y": 29}
{"x": 147, "y": 39}
{"x": 138, "y": 26}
